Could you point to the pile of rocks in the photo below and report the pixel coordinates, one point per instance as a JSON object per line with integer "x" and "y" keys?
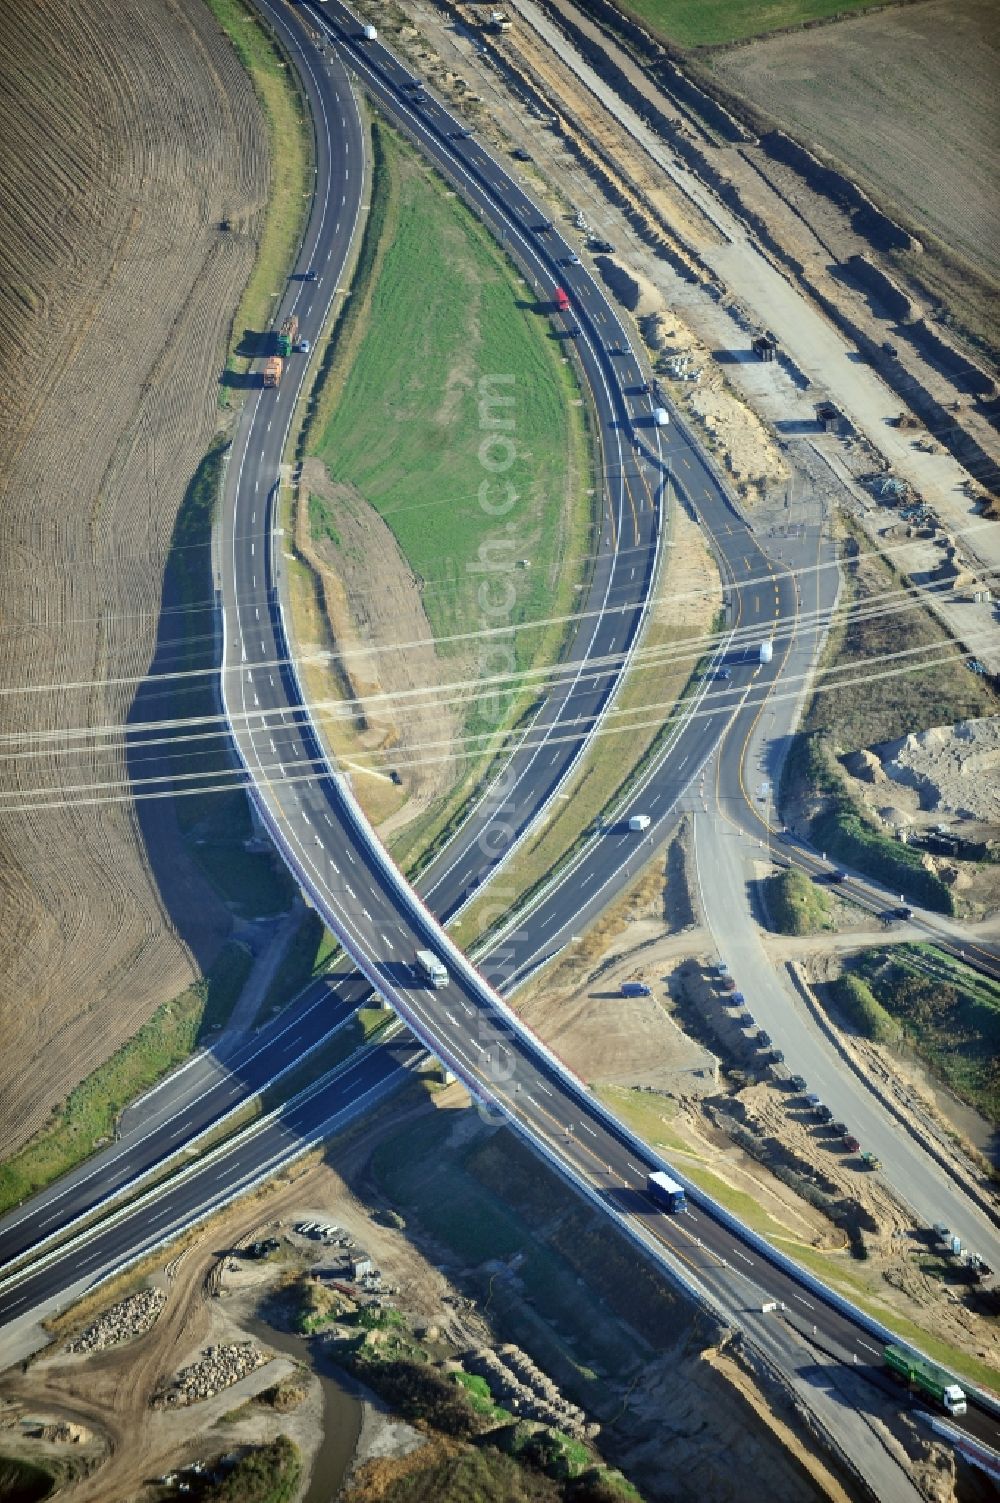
{"x": 521, "y": 1386}
{"x": 220, "y": 1367}
{"x": 132, "y": 1317}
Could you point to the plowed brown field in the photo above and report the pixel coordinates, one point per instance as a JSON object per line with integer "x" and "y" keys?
{"x": 906, "y": 100}
{"x": 130, "y": 133}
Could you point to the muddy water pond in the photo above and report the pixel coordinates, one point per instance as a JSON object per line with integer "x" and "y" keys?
{"x": 342, "y": 1411}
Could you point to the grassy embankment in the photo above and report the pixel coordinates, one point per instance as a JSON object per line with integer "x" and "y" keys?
{"x": 796, "y": 904}
{"x": 948, "y": 1012}
{"x": 263, "y": 1474}
{"x": 435, "y": 309}
{"x": 859, "y": 708}
{"x": 87, "y": 1117}
{"x": 290, "y": 152}
{"x": 856, "y": 998}
{"x": 709, "y": 23}
{"x": 24, "y": 1482}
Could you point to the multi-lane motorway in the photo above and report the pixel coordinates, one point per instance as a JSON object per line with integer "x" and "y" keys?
{"x": 318, "y": 826}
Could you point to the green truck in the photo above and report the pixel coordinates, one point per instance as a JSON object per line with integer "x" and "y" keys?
{"x": 929, "y": 1380}
{"x": 287, "y": 335}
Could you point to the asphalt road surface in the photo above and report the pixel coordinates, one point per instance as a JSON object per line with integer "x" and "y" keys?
{"x": 313, "y": 817}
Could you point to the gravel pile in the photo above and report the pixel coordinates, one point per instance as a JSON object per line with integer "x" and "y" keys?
{"x": 132, "y": 1317}
{"x": 220, "y": 1367}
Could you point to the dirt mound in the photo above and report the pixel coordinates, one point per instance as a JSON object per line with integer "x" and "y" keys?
{"x": 954, "y": 768}
{"x": 388, "y": 663}
{"x": 117, "y": 287}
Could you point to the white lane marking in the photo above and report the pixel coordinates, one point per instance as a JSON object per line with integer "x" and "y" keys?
{"x": 803, "y": 1301}
{"x": 587, "y": 1128}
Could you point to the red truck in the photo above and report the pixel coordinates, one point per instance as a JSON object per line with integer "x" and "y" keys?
{"x": 562, "y": 299}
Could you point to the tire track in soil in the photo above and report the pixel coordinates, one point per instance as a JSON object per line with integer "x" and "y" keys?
{"x": 117, "y": 290}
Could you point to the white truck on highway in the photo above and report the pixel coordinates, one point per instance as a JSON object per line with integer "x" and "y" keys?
{"x": 639, "y": 822}
{"x": 432, "y": 969}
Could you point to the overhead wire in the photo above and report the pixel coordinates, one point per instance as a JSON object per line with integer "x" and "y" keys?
{"x": 443, "y": 642}
{"x": 461, "y": 690}
{"x": 277, "y": 773}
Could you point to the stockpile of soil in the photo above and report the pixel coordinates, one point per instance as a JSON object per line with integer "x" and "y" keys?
{"x": 131, "y": 134}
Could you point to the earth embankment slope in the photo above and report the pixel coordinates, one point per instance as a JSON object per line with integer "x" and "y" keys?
{"x": 131, "y": 135}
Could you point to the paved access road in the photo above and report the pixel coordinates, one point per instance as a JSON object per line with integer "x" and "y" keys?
{"x": 732, "y": 823}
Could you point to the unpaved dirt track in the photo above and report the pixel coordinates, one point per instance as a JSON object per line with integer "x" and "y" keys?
{"x": 131, "y": 131}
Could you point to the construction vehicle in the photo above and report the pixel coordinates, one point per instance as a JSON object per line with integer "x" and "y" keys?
{"x": 287, "y": 335}
{"x": 929, "y": 1380}
{"x": 273, "y": 367}
{"x": 871, "y": 1160}
{"x": 665, "y": 1192}
{"x": 562, "y": 299}
{"x": 432, "y": 969}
